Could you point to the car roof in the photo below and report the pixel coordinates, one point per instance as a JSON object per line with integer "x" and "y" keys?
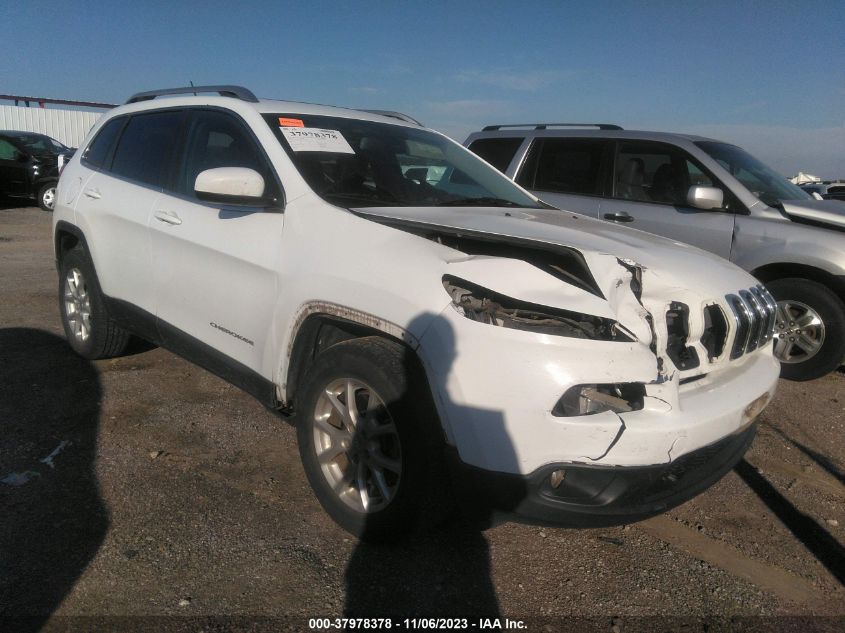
{"x": 22, "y": 133}
{"x": 640, "y": 135}
{"x": 140, "y": 103}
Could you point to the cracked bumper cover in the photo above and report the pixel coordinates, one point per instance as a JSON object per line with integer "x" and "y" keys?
{"x": 596, "y": 496}
{"x": 495, "y": 389}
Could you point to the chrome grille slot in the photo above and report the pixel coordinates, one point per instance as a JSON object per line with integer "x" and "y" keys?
{"x": 773, "y": 308}
{"x": 758, "y": 321}
{"x": 753, "y": 312}
{"x": 742, "y": 320}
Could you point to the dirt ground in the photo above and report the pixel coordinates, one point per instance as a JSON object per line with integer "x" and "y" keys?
{"x": 143, "y": 493}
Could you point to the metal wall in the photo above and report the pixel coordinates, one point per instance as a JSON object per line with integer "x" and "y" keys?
{"x": 67, "y": 126}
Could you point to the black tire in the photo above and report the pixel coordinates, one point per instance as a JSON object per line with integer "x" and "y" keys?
{"x": 830, "y": 310}
{"x": 422, "y": 498}
{"x": 47, "y": 196}
{"x": 105, "y": 338}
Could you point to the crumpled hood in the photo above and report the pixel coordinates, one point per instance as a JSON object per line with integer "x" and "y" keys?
{"x": 675, "y": 264}
{"x": 825, "y": 211}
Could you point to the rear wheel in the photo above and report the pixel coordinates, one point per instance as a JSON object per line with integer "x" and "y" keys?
{"x": 810, "y": 328}
{"x": 370, "y": 440}
{"x": 47, "y": 196}
{"x": 90, "y": 330}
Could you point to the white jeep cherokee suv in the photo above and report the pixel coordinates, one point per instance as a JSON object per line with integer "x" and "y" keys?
{"x": 432, "y": 329}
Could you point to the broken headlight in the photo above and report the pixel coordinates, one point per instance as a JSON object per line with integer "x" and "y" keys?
{"x": 485, "y": 306}
{"x": 589, "y": 399}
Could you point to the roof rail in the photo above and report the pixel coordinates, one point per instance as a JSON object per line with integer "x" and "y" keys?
{"x": 236, "y": 92}
{"x": 543, "y": 126}
{"x": 394, "y": 115}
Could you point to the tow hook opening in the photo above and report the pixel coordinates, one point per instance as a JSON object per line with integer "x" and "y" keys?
{"x": 597, "y": 398}
{"x": 755, "y": 408}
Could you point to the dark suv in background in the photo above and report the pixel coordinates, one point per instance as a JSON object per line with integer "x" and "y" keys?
{"x": 30, "y": 165}
{"x": 703, "y": 192}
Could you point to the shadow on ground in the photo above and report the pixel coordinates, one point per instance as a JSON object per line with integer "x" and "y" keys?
{"x": 444, "y": 571}
{"x": 53, "y": 519}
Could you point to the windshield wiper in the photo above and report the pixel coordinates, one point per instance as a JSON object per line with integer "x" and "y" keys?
{"x": 484, "y": 201}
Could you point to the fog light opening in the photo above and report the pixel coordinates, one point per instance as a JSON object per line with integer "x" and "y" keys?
{"x": 590, "y": 399}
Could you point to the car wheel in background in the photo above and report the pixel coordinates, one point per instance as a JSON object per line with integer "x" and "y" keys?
{"x": 47, "y": 196}
{"x": 809, "y": 330}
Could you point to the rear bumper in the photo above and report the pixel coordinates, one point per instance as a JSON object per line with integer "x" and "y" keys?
{"x": 595, "y": 496}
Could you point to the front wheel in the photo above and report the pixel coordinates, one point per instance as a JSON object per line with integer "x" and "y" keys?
{"x": 47, "y": 197}
{"x": 370, "y": 440}
{"x": 809, "y": 330}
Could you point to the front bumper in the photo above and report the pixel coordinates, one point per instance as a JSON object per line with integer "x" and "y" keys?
{"x": 595, "y": 496}
{"x": 495, "y": 389}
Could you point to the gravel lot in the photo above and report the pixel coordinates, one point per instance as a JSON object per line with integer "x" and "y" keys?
{"x": 145, "y": 486}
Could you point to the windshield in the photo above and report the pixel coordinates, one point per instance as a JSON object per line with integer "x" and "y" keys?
{"x": 764, "y": 182}
{"x": 38, "y": 143}
{"x": 355, "y": 163}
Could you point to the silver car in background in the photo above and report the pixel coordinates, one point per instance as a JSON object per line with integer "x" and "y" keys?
{"x": 702, "y": 192}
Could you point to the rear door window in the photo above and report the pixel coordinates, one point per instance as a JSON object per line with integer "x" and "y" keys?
{"x": 499, "y": 152}
{"x": 146, "y": 147}
{"x": 561, "y": 165}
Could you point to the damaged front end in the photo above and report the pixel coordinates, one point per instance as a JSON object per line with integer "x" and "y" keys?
{"x": 486, "y": 306}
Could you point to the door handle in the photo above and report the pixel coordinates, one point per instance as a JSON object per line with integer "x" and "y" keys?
{"x": 168, "y": 217}
{"x": 619, "y": 217}
{"x": 93, "y": 193}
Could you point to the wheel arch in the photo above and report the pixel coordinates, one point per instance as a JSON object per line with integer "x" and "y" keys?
{"x": 65, "y": 237}
{"x": 319, "y": 327}
{"x": 784, "y": 270}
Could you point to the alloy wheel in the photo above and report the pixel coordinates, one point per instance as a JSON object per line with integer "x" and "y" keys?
{"x": 49, "y": 197}
{"x": 77, "y": 305}
{"x": 357, "y": 445}
{"x": 799, "y": 332}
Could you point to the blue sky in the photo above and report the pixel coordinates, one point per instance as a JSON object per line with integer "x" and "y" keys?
{"x": 769, "y": 76}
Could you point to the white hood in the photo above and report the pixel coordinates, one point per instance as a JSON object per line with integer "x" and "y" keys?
{"x": 673, "y": 263}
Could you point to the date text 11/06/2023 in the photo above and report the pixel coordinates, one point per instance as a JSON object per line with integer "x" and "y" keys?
{"x": 435, "y": 624}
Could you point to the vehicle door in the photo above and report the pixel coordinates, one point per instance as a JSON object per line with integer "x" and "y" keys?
{"x": 216, "y": 264}
{"x": 14, "y": 165}
{"x": 650, "y": 185}
{"x": 117, "y": 201}
{"x": 568, "y": 173}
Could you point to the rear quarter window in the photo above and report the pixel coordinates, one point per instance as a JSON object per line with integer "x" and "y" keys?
{"x": 99, "y": 149}
{"x": 499, "y": 152}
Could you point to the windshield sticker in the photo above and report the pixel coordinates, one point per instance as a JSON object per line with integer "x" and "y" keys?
{"x": 285, "y": 122}
{"x": 312, "y": 139}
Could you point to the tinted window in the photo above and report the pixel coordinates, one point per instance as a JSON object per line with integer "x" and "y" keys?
{"x": 98, "y": 151}
{"x": 217, "y": 139}
{"x": 7, "y": 150}
{"x": 146, "y": 147}
{"x": 566, "y": 166}
{"x": 497, "y": 151}
{"x": 656, "y": 173}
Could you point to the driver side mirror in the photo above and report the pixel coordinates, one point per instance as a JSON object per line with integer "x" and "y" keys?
{"x": 21, "y": 157}
{"x": 705, "y": 198}
{"x": 232, "y": 185}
